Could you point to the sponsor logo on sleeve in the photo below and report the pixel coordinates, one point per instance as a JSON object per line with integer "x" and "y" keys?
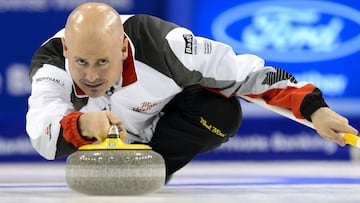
{"x": 58, "y": 81}
{"x": 190, "y": 44}
{"x": 207, "y": 47}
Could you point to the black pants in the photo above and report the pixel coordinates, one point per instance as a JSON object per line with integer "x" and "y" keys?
{"x": 195, "y": 121}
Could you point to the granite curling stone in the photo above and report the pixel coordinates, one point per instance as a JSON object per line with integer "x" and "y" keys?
{"x": 115, "y": 168}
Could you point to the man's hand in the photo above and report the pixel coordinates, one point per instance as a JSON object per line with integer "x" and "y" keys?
{"x": 328, "y": 123}
{"x": 97, "y": 124}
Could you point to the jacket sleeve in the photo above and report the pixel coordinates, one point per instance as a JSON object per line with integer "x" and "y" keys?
{"x": 51, "y": 120}
{"x": 189, "y": 60}
{"x": 228, "y": 74}
{"x": 48, "y": 103}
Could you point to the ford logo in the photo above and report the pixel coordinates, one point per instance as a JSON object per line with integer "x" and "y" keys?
{"x": 290, "y": 31}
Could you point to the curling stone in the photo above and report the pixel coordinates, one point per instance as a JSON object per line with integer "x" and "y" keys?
{"x": 115, "y": 168}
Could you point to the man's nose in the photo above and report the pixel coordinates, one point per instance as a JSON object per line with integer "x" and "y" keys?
{"x": 92, "y": 74}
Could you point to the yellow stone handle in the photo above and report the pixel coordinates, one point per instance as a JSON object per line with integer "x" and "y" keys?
{"x": 351, "y": 139}
{"x": 113, "y": 141}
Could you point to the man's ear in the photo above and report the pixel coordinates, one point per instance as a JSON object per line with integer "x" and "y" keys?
{"x": 65, "y": 49}
{"x": 125, "y": 48}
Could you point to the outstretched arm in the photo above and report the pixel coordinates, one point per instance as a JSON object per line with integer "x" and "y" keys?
{"x": 325, "y": 121}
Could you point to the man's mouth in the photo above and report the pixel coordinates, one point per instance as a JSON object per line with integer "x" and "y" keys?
{"x": 91, "y": 85}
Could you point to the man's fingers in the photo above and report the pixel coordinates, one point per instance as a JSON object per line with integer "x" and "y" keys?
{"x": 122, "y": 133}
{"x": 113, "y": 119}
{"x": 341, "y": 128}
{"x": 336, "y": 137}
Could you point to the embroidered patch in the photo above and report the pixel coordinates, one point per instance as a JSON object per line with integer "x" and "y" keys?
{"x": 189, "y": 38}
{"x": 207, "y": 47}
{"x": 211, "y": 128}
{"x": 146, "y": 106}
{"x": 48, "y": 131}
{"x": 274, "y": 77}
{"x": 50, "y": 79}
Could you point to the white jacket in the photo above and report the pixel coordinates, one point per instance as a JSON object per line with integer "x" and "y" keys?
{"x": 165, "y": 59}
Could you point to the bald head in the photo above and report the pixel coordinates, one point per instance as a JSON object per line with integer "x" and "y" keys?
{"x": 95, "y": 19}
{"x": 95, "y": 47}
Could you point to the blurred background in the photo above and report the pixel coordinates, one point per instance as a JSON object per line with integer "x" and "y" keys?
{"x": 317, "y": 41}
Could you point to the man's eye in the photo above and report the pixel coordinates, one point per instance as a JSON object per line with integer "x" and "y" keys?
{"x": 81, "y": 62}
{"x": 103, "y": 62}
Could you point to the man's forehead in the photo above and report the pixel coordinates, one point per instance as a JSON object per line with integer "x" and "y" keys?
{"x": 96, "y": 58}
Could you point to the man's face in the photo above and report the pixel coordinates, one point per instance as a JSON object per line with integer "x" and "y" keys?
{"x": 95, "y": 62}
